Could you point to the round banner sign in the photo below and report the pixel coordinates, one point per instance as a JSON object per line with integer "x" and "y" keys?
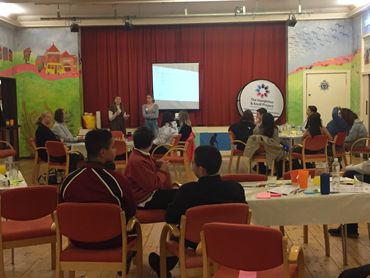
{"x": 261, "y": 93}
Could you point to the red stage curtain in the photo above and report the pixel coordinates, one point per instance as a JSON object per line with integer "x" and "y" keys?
{"x": 117, "y": 62}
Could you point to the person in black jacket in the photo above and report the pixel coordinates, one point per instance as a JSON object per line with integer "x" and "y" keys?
{"x": 209, "y": 189}
{"x": 244, "y": 128}
{"x": 185, "y": 125}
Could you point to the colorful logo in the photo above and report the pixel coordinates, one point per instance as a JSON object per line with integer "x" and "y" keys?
{"x": 262, "y": 90}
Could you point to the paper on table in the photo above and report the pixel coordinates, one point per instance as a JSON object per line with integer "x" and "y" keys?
{"x": 263, "y": 195}
{"x": 284, "y": 189}
{"x": 247, "y": 274}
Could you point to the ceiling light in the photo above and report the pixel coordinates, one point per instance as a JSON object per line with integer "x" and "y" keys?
{"x": 7, "y": 9}
{"x": 292, "y": 21}
{"x": 356, "y": 3}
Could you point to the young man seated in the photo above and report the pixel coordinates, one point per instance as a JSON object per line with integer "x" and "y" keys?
{"x": 97, "y": 182}
{"x": 150, "y": 180}
{"x": 209, "y": 189}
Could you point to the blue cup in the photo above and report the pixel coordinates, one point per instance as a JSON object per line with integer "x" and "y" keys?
{"x": 325, "y": 183}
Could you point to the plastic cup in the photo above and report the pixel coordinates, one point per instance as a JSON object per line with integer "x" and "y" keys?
{"x": 294, "y": 176}
{"x": 2, "y": 169}
{"x": 303, "y": 178}
{"x": 316, "y": 180}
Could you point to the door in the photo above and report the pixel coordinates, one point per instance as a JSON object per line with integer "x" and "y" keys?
{"x": 326, "y": 90}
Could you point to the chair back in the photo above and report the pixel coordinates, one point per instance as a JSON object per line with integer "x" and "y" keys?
{"x": 243, "y": 247}
{"x": 117, "y": 134}
{"x": 28, "y": 203}
{"x": 339, "y": 139}
{"x": 244, "y": 177}
{"x": 231, "y": 137}
{"x": 190, "y": 146}
{"x": 315, "y": 143}
{"x": 56, "y": 148}
{"x": 89, "y": 222}
{"x": 196, "y": 217}
{"x": 120, "y": 146}
{"x": 32, "y": 143}
{"x": 176, "y": 139}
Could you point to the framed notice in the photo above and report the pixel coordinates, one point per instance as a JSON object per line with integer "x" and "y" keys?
{"x": 261, "y": 93}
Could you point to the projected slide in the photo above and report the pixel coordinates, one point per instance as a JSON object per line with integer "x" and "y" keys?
{"x": 176, "y": 86}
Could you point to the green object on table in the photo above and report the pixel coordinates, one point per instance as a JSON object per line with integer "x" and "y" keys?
{"x": 16, "y": 182}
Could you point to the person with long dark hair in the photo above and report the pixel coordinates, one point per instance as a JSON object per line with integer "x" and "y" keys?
{"x": 357, "y": 128}
{"x": 244, "y": 128}
{"x": 60, "y": 129}
{"x": 185, "y": 125}
{"x": 117, "y": 115}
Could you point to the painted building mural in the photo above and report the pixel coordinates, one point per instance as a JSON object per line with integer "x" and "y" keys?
{"x": 322, "y": 45}
{"x": 46, "y": 67}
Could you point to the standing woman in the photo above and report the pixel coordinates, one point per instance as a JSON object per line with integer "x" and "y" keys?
{"x": 117, "y": 115}
{"x": 150, "y": 114}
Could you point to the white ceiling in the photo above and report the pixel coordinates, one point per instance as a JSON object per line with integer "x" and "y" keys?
{"x": 105, "y": 12}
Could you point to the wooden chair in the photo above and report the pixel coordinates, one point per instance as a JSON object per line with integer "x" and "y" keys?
{"x": 8, "y": 151}
{"x": 190, "y": 226}
{"x": 117, "y": 134}
{"x": 235, "y": 248}
{"x": 316, "y": 143}
{"x": 121, "y": 150}
{"x": 235, "y": 151}
{"x": 244, "y": 177}
{"x": 260, "y": 157}
{"x": 37, "y": 161}
{"x": 26, "y": 215}
{"x": 359, "y": 147}
{"x": 337, "y": 146}
{"x": 174, "y": 143}
{"x": 95, "y": 222}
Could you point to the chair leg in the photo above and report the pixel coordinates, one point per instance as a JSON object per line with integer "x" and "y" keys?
{"x": 230, "y": 163}
{"x": 326, "y": 239}
{"x": 163, "y": 261}
{"x": 282, "y": 230}
{"x": 53, "y": 248}
{"x": 344, "y": 243}
{"x": 35, "y": 173}
{"x": 368, "y": 230}
{"x": 305, "y": 234}
{"x": 237, "y": 164}
{"x": 71, "y": 274}
{"x": 2, "y": 272}
{"x": 345, "y": 160}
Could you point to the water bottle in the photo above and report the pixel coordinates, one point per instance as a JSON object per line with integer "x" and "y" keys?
{"x": 335, "y": 175}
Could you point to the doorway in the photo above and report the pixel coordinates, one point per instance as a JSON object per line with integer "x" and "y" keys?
{"x": 326, "y": 90}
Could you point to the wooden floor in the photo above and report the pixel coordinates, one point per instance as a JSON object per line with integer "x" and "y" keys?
{"x": 35, "y": 261}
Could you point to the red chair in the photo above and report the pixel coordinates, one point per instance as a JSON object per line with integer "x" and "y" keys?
{"x": 260, "y": 157}
{"x": 175, "y": 142}
{"x": 26, "y": 219}
{"x": 121, "y": 150}
{"x": 244, "y": 177}
{"x": 95, "y": 222}
{"x": 190, "y": 226}
{"x": 146, "y": 216}
{"x": 317, "y": 144}
{"x": 235, "y": 151}
{"x": 117, "y": 134}
{"x": 236, "y": 248}
{"x": 338, "y": 150}
{"x": 8, "y": 151}
{"x": 37, "y": 162}
{"x": 360, "y": 146}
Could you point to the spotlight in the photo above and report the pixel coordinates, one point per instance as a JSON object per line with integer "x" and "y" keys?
{"x": 292, "y": 21}
{"x": 238, "y": 11}
{"x": 75, "y": 28}
{"x": 127, "y": 24}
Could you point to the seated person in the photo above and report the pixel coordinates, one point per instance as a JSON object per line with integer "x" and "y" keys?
{"x": 43, "y": 134}
{"x": 150, "y": 180}
{"x": 97, "y": 182}
{"x": 60, "y": 129}
{"x": 310, "y": 109}
{"x": 259, "y": 114}
{"x": 244, "y": 128}
{"x": 314, "y": 128}
{"x": 166, "y": 132}
{"x": 337, "y": 124}
{"x": 209, "y": 189}
{"x": 357, "y": 129}
{"x": 185, "y": 125}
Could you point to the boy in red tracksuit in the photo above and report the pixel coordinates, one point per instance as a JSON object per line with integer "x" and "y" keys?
{"x": 150, "y": 180}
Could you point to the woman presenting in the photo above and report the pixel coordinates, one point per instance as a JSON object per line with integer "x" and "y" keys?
{"x": 117, "y": 115}
{"x": 150, "y": 114}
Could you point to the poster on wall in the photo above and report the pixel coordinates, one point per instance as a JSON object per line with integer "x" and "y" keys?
{"x": 366, "y": 53}
{"x": 261, "y": 93}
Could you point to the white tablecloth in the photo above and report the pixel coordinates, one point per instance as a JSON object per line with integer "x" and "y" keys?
{"x": 80, "y": 147}
{"x": 20, "y": 182}
{"x": 301, "y": 209}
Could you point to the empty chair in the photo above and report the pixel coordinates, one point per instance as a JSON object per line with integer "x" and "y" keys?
{"x": 239, "y": 248}
{"x": 117, "y": 134}
{"x": 121, "y": 152}
{"x": 235, "y": 151}
{"x": 7, "y": 151}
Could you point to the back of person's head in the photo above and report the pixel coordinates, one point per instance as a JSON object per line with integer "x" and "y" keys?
{"x": 143, "y": 138}
{"x": 349, "y": 116}
{"x": 167, "y": 118}
{"x": 209, "y": 158}
{"x": 42, "y": 116}
{"x": 96, "y": 140}
{"x": 247, "y": 116}
{"x": 314, "y": 124}
{"x": 262, "y": 110}
{"x": 268, "y": 125}
{"x": 184, "y": 118}
{"x": 312, "y": 108}
{"x": 59, "y": 115}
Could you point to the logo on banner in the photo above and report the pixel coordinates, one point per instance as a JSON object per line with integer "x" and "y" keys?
{"x": 261, "y": 93}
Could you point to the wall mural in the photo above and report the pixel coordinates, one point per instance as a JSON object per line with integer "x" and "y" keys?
{"x": 321, "y": 45}
{"x": 46, "y": 67}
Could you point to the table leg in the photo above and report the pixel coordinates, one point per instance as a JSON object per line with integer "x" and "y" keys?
{"x": 344, "y": 243}
{"x": 305, "y": 234}
{"x": 326, "y": 239}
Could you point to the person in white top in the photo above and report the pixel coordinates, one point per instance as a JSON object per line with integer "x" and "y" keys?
{"x": 166, "y": 132}
{"x": 61, "y": 130}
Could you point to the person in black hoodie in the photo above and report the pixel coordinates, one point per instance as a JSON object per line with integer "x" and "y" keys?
{"x": 244, "y": 128}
